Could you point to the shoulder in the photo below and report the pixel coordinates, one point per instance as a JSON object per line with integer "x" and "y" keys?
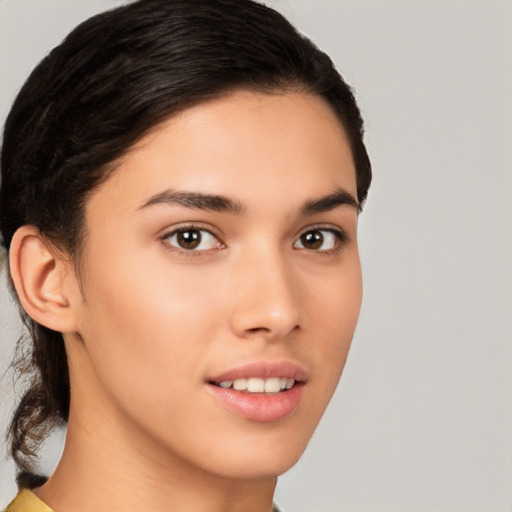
{"x": 27, "y": 501}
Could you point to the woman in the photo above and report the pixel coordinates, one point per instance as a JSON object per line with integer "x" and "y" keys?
{"x": 181, "y": 183}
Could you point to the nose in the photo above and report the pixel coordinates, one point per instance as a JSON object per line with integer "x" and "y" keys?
{"x": 267, "y": 299}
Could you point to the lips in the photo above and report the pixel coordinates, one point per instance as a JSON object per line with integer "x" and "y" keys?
{"x": 263, "y": 392}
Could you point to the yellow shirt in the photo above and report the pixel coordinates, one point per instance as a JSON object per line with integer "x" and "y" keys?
{"x": 27, "y": 501}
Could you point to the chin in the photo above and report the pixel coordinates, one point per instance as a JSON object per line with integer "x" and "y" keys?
{"x": 267, "y": 457}
{"x": 258, "y": 468}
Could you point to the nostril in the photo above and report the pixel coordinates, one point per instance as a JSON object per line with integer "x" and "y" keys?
{"x": 265, "y": 331}
{"x": 258, "y": 330}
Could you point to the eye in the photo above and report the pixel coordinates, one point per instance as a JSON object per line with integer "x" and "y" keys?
{"x": 192, "y": 239}
{"x": 320, "y": 240}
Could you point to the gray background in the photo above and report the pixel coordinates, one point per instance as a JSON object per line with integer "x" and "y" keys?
{"x": 422, "y": 420}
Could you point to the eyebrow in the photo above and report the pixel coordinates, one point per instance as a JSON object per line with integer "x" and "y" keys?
{"x": 339, "y": 197}
{"x": 197, "y": 201}
{"x": 219, "y": 203}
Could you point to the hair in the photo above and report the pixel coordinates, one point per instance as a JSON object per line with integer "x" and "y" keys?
{"x": 115, "y": 77}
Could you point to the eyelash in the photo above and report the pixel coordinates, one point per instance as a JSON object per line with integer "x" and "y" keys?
{"x": 340, "y": 235}
{"x": 341, "y": 239}
{"x": 191, "y": 252}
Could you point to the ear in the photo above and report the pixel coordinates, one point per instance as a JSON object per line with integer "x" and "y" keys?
{"x": 44, "y": 280}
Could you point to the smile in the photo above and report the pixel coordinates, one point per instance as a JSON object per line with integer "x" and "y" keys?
{"x": 260, "y": 391}
{"x": 258, "y": 385}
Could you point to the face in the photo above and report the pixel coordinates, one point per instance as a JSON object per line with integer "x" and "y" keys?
{"x": 221, "y": 284}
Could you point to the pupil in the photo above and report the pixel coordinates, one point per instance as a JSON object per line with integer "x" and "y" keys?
{"x": 189, "y": 239}
{"x": 312, "y": 240}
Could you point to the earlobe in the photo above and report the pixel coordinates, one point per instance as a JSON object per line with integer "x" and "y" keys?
{"x": 44, "y": 280}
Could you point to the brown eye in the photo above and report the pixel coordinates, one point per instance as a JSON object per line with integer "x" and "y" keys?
{"x": 318, "y": 240}
{"x": 190, "y": 239}
{"x": 312, "y": 240}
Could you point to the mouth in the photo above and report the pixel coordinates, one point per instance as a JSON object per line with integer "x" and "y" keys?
{"x": 269, "y": 386}
{"x": 262, "y": 392}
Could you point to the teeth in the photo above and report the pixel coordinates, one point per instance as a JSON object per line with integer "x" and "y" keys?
{"x": 273, "y": 385}
{"x": 240, "y": 384}
{"x": 257, "y": 385}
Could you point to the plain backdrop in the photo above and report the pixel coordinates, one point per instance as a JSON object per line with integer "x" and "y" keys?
{"x": 422, "y": 420}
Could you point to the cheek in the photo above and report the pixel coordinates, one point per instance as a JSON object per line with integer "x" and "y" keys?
{"x": 335, "y": 310}
{"x": 335, "y": 295}
{"x": 141, "y": 328}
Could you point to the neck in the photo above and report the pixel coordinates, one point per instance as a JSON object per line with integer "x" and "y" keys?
{"x": 109, "y": 464}
{"x": 117, "y": 477}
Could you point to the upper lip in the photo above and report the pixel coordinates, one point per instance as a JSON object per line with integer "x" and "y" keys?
{"x": 263, "y": 370}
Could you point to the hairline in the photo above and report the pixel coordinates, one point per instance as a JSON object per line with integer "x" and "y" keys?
{"x": 76, "y": 253}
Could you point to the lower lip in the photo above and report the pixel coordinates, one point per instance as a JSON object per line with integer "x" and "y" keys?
{"x": 259, "y": 407}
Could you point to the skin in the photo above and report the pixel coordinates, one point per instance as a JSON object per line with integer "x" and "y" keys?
{"x": 147, "y": 323}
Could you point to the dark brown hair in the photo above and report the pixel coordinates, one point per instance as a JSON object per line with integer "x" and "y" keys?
{"x": 116, "y": 76}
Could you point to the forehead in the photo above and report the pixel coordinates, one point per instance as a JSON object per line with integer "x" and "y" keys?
{"x": 255, "y": 147}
